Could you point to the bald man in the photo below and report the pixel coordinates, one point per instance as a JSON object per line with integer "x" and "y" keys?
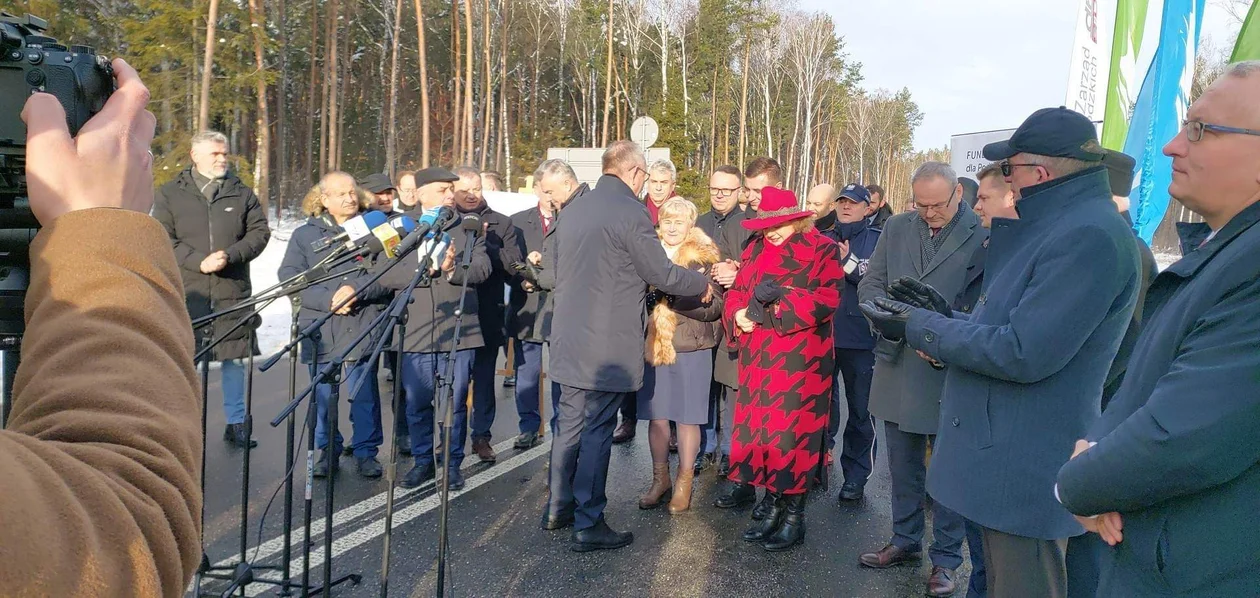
{"x": 606, "y": 255}
{"x": 821, "y": 200}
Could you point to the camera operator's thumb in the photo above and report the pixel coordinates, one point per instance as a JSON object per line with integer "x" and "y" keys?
{"x": 108, "y": 165}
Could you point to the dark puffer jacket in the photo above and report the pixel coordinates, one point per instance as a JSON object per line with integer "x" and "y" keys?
{"x": 234, "y": 222}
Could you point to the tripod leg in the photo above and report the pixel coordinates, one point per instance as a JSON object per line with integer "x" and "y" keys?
{"x": 249, "y": 436}
{"x": 205, "y": 412}
{"x": 330, "y": 425}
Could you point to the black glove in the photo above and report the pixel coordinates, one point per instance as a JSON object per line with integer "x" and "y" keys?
{"x": 888, "y": 317}
{"x": 756, "y": 312}
{"x": 767, "y": 292}
{"x": 919, "y": 294}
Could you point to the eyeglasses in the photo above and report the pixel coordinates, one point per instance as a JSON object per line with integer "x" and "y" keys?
{"x": 1008, "y": 168}
{"x": 1194, "y": 130}
{"x": 936, "y": 207}
{"x": 720, "y": 192}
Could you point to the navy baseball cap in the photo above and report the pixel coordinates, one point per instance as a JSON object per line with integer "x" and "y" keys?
{"x": 856, "y": 193}
{"x": 1055, "y": 132}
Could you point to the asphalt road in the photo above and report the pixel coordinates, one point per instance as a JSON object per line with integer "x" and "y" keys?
{"x": 496, "y": 546}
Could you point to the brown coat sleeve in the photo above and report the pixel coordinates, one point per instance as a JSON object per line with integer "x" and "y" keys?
{"x": 98, "y": 468}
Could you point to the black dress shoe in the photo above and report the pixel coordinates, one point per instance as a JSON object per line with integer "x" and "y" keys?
{"x": 703, "y": 462}
{"x": 792, "y": 530}
{"x": 740, "y": 495}
{"x": 236, "y": 435}
{"x": 769, "y": 524}
{"x": 322, "y": 465}
{"x": 457, "y": 480}
{"x": 525, "y": 441}
{"x": 554, "y": 521}
{"x": 850, "y": 492}
{"x": 763, "y": 507}
{"x": 404, "y": 444}
{"x": 370, "y": 468}
{"x": 599, "y": 537}
{"x": 421, "y": 473}
{"x": 724, "y": 466}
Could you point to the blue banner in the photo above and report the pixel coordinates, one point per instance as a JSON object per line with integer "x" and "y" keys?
{"x": 1161, "y": 106}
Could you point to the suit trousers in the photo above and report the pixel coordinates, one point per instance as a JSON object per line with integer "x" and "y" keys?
{"x": 483, "y": 400}
{"x": 721, "y": 409}
{"x": 854, "y": 369}
{"x": 907, "y": 462}
{"x": 977, "y": 584}
{"x": 1016, "y": 567}
{"x": 629, "y": 408}
{"x": 580, "y": 452}
{"x": 1084, "y": 557}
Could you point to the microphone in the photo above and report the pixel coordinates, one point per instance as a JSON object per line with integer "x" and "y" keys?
{"x": 434, "y": 220}
{"x": 355, "y": 230}
{"x": 472, "y": 224}
{"x": 388, "y": 237}
{"x": 403, "y": 224}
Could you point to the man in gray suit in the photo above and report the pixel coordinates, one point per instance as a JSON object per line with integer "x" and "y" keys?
{"x": 934, "y": 243}
{"x": 606, "y": 253}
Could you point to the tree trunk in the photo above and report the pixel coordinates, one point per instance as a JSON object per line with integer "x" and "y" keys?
{"x": 504, "y": 137}
{"x": 457, "y": 124}
{"x": 262, "y": 156}
{"x": 486, "y": 93}
{"x": 207, "y": 68}
{"x": 424, "y": 86}
{"x": 311, "y": 111}
{"x": 391, "y": 138}
{"x": 608, "y": 74}
{"x": 342, "y": 90}
{"x": 282, "y": 120}
{"x": 468, "y": 84}
{"x": 713, "y": 122}
{"x": 330, "y": 19}
{"x": 334, "y": 87}
{"x": 682, "y": 50}
{"x": 743, "y": 103}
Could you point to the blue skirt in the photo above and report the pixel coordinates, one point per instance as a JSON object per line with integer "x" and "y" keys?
{"x": 678, "y": 392}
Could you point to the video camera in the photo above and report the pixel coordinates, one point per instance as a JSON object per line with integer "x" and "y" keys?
{"x": 82, "y": 81}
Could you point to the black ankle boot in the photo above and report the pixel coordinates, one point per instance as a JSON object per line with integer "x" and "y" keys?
{"x": 740, "y": 495}
{"x": 792, "y": 531}
{"x": 763, "y": 507}
{"x": 769, "y": 524}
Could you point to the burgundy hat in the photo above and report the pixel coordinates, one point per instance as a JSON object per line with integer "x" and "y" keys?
{"x": 778, "y": 207}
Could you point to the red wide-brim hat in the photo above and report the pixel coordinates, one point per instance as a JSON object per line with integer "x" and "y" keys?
{"x": 777, "y": 207}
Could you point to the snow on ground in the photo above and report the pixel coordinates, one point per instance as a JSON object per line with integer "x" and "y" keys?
{"x": 273, "y": 335}
{"x": 1164, "y": 260}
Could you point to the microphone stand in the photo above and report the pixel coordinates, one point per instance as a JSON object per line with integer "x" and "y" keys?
{"x": 446, "y": 412}
{"x": 243, "y": 572}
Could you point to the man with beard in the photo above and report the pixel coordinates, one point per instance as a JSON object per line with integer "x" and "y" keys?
{"x": 878, "y": 212}
{"x": 383, "y": 191}
{"x": 217, "y": 227}
{"x": 501, "y": 246}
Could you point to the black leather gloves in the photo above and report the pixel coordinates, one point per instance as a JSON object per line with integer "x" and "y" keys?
{"x": 915, "y": 292}
{"x": 888, "y": 317}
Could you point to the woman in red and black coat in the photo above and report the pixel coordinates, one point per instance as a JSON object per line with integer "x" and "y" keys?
{"x": 778, "y": 316}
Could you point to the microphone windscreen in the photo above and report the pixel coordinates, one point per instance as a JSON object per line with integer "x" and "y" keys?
{"x": 471, "y": 223}
{"x": 403, "y": 224}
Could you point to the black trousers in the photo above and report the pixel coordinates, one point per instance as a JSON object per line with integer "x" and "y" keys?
{"x": 580, "y": 452}
{"x": 629, "y": 408}
{"x": 1017, "y": 567}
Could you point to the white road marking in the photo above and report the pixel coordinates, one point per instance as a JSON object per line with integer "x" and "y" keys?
{"x": 318, "y": 524}
{"x": 370, "y": 531}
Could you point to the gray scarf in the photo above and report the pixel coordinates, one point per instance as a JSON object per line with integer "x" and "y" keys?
{"x": 930, "y": 243}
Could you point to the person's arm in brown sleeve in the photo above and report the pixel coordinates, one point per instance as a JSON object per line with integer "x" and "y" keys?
{"x": 99, "y": 463}
{"x": 99, "y": 490}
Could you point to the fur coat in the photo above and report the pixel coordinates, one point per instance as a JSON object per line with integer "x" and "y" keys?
{"x": 684, "y": 324}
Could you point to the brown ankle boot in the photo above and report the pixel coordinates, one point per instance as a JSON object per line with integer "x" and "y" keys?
{"x": 682, "y": 491}
{"x": 658, "y": 493}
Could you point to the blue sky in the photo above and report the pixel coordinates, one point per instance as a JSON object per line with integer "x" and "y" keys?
{"x": 971, "y": 65}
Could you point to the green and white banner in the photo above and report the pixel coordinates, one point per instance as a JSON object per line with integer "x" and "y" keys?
{"x": 1126, "y": 77}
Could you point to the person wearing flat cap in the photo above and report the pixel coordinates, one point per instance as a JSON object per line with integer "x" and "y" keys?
{"x": 383, "y": 191}
{"x": 777, "y": 317}
{"x": 1026, "y": 369}
{"x": 431, "y": 319}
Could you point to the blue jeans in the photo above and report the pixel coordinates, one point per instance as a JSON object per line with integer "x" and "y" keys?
{"x": 484, "y": 359}
{"x": 365, "y": 410}
{"x": 233, "y": 375}
{"x": 418, "y": 380}
{"x": 528, "y": 361}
